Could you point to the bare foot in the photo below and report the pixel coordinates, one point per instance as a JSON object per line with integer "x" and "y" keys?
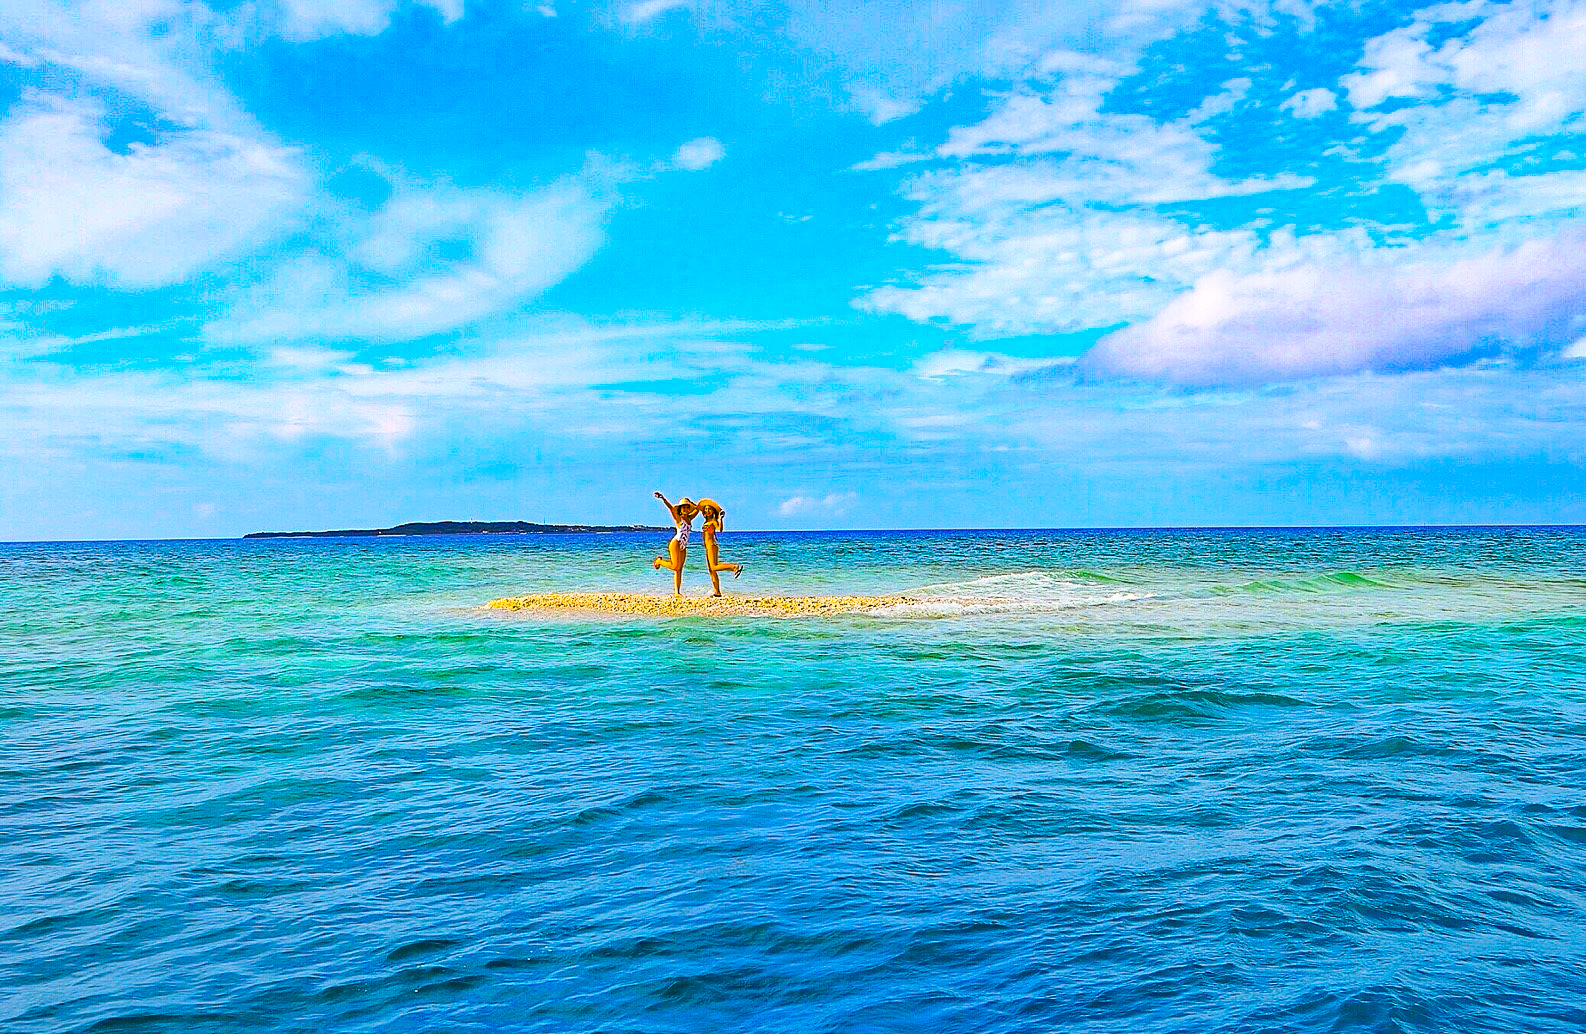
{"x": 657, "y": 565}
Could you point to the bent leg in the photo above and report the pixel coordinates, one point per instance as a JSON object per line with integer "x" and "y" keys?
{"x": 673, "y": 561}
{"x": 713, "y": 561}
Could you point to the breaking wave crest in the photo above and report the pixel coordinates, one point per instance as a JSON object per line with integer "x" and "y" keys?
{"x": 1031, "y": 592}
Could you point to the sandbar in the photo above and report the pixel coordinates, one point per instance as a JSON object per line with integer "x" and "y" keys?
{"x": 697, "y": 606}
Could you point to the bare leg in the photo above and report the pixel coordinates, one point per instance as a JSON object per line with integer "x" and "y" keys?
{"x": 714, "y": 565}
{"x": 678, "y": 553}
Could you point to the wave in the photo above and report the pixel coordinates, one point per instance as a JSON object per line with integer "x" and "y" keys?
{"x": 1336, "y": 581}
{"x": 1020, "y": 592}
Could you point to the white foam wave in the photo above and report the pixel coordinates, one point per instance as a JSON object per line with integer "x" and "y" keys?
{"x": 1026, "y": 592}
{"x": 951, "y": 607}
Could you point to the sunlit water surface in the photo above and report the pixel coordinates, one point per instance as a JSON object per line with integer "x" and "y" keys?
{"x": 1096, "y": 781}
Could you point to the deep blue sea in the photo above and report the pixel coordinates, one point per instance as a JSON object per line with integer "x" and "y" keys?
{"x": 1329, "y": 780}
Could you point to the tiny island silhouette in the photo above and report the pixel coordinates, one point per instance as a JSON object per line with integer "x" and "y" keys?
{"x": 458, "y": 528}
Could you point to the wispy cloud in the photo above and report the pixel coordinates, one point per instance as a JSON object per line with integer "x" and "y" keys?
{"x": 305, "y": 20}
{"x": 835, "y": 504}
{"x": 908, "y": 155}
{"x": 646, "y": 11}
{"x": 430, "y": 260}
{"x": 151, "y": 215}
{"x": 957, "y": 362}
{"x": 580, "y": 395}
{"x": 699, "y": 154}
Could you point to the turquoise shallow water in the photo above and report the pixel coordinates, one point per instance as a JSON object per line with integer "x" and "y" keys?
{"x": 1162, "y": 781}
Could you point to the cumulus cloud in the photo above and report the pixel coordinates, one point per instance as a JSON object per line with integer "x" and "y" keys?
{"x": 1508, "y": 74}
{"x": 1052, "y": 211}
{"x": 1315, "y": 320}
{"x": 150, "y": 215}
{"x": 1030, "y": 268}
{"x": 1061, "y": 211}
{"x": 834, "y": 505}
{"x": 700, "y": 153}
{"x": 1311, "y": 103}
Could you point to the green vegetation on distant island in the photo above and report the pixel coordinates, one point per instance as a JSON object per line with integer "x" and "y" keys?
{"x": 455, "y": 528}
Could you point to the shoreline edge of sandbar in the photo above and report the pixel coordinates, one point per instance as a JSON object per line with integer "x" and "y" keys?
{"x": 643, "y": 604}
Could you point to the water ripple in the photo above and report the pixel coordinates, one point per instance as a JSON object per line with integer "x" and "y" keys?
{"x": 1298, "y": 782}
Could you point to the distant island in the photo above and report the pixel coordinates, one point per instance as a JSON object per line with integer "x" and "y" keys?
{"x": 457, "y": 528}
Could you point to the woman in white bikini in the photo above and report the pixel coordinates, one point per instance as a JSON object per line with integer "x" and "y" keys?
{"x": 683, "y": 515}
{"x": 715, "y": 519}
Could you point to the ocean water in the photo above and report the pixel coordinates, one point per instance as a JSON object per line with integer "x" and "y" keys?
{"x": 1162, "y": 781}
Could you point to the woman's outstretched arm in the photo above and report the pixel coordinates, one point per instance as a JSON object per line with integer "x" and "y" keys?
{"x": 670, "y": 508}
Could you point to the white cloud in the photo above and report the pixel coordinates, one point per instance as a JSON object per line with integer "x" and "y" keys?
{"x": 1394, "y": 66}
{"x": 881, "y": 109}
{"x": 891, "y": 160}
{"x": 892, "y": 54}
{"x": 308, "y": 358}
{"x": 1311, "y": 103}
{"x": 16, "y": 340}
{"x": 292, "y": 394}
{"x": 117, "y": 45}
{"x": 1051, "y": 269}
{"x": 834, "y": 505}
{"x": 393, "y": 279}
{"x": 1233, "y": 92}
{"x": 1513, "y": 76}
{"x": 1576, "y": 350}
{"x": 208, "y": 186}
{"x": 1104, "y": 157}
{"x": 17, "y": 58}
{"x": 646, "y": 11}
{"x": 1395, "y": 313}
{"x": 699, "y": 153}
{"x": 1050, "y": 213}
{"x": 956, "y": 362}
{"x": 558, "y": 392}
{"x": 153, "y": 215}
{"x": 305, "y": 20}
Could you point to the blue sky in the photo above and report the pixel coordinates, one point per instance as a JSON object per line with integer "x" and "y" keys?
{"x": 303, "y": 263}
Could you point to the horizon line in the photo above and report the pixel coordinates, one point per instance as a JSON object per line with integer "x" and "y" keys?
{"x": 277, "y": 537}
